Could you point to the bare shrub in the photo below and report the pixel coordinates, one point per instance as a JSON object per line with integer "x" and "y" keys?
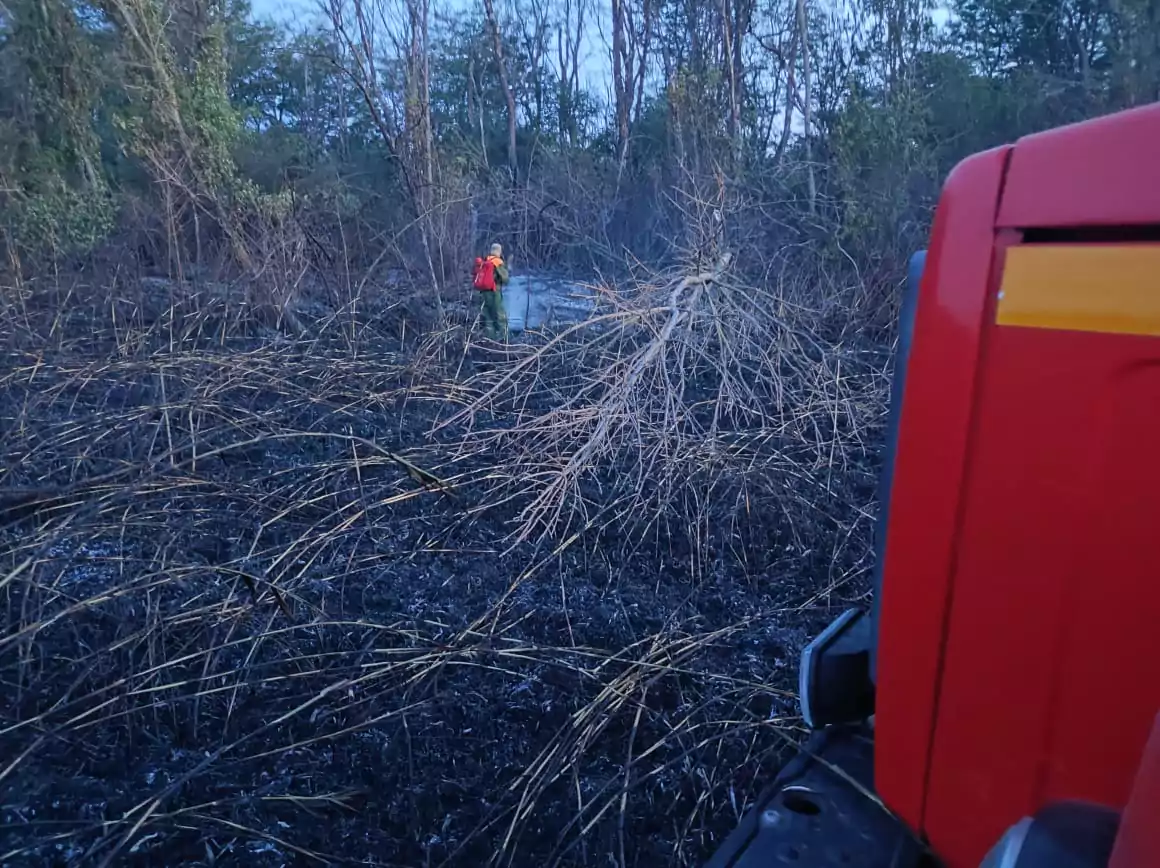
{"x": 692, "y": 397}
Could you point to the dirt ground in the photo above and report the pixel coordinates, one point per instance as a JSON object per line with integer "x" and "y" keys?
{"x": 243, "y": 628}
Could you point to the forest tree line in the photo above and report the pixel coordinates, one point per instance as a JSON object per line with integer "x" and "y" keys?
{"x": 401, "y": 135}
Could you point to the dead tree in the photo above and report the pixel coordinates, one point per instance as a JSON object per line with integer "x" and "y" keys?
{"x": 407, "y": 134}
{"x": 505, "y": 82}
{"x": 632, "y": 30}
{"x": 569, "y": 39}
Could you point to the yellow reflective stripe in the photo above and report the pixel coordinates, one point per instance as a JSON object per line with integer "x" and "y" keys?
{"x": 1083, "y": 287}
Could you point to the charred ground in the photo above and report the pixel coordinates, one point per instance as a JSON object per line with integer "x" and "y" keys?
{"x": 280, "y": 600}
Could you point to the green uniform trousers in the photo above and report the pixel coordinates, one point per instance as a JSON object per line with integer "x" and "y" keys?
{"x": 493, "y": 315}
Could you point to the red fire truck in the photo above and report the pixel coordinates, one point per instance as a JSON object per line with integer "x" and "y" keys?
{"x": 998, "y": 704}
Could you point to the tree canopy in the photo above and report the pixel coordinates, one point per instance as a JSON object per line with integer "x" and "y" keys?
{"x": 178, "y": 124}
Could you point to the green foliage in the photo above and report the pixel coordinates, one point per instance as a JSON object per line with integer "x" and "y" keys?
{"x": 1068, "y": 39}
{"x": 55, "y": 198}
{"x": 116, "y": 100}
{"x": 207, "y": 113}
{"x": 1003, "y": 69}
{"x": 60, "y": 220}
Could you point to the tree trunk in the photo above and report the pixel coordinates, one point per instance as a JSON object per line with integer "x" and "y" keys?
{"x": 729, "y": 44}
{"x": 569, "y": 40}
{"x": 621, "y": 86}
{"x": 803, "y": 30}
{"x": 631, "y": 40}
{"x": 505, "y": 82}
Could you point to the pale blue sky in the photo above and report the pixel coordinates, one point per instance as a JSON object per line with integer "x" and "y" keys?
{"x": 595, "y": 70}
{"x": 282, "y": 11}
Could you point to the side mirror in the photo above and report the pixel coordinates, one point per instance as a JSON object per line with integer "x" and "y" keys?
{"x": 834, "y": 683}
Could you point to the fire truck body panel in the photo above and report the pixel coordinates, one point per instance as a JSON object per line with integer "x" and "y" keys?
{"x": 929, "y": 464}
{"x": 1102, "y": 172}
{"x": 1049, "y": 667}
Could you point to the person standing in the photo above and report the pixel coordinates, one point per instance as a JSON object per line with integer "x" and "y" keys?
{"x": 489, "y": 276}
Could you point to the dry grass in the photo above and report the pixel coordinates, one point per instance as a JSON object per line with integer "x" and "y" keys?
{"x": 355, "y": 598}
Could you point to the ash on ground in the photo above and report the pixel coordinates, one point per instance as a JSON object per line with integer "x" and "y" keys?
{"x": 257, "y": 640}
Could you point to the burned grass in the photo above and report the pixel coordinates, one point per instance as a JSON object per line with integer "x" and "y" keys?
{"x": 274, "y": 602}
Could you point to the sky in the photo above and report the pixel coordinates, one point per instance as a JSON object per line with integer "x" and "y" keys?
{"x": 282, "y": 11}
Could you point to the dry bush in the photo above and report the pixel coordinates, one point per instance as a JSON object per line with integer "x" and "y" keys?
{"x": 694, "y": 404}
